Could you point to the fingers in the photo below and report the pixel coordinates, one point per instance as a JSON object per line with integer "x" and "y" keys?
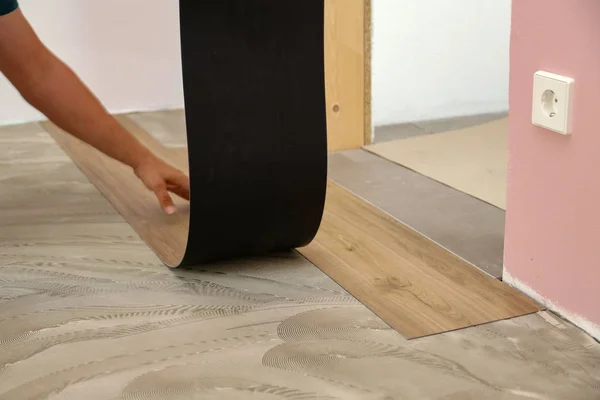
{"x": 180, "y": 185}
{"x": 179, "y": 191}
{"x": 161, "y": 179}
{"x": 164, "y": 199}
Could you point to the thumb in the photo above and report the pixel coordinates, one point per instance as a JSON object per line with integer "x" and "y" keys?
{"x": 164, "y": 198}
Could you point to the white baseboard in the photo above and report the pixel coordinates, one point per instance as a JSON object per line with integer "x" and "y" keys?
{"x": 588, "y": 326}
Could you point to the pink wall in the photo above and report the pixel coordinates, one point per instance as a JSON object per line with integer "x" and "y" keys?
{"x": 553, "y": 211}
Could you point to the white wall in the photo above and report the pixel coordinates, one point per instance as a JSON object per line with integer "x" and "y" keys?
{"x": 439, "y": 58}
{"x": 126, "y": 51}
{"x": 431, "y": 58}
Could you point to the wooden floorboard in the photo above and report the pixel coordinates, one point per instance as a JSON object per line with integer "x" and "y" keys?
{"x": 416, "y": 286}
{"x": 412, "y": 283}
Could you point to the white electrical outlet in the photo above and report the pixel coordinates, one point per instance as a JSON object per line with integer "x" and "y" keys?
{"x": 553, "y": 102}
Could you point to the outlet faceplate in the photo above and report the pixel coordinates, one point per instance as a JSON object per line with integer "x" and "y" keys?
{"x": 553, "y": 102}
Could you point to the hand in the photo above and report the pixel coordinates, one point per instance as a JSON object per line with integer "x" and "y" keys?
{"x": 161, "y": 178}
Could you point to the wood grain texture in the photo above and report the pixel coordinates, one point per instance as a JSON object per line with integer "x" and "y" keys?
{"x": 166, "y": 234}
{"x": 413, "y": 284}
{"x": 345, "y": 73}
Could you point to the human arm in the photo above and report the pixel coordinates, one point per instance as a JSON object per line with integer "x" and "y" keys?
{"x": 54, "y": 89}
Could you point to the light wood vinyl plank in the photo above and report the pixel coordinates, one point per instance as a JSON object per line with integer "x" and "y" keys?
{"x": 416, "y": 286}
{"x": 412, "y": 283}
{"x": 168, "y": 126}
{"x": 165, "y": 234}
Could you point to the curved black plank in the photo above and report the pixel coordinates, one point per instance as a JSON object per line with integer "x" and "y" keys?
{"x": 254, "y": 89}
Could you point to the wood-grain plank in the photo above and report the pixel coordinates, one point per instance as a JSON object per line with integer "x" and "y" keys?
{"x": 412, "y": 283}
{"x": 416, "y": 286}
{"x": 166, "y": 234}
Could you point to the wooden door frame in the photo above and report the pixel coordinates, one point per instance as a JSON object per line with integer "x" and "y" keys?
{"x": 348, "y": 73}
{"x": 368, "y": 73}
{"x": 368, "y": 43}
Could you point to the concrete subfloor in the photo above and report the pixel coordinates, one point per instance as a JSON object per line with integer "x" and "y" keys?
{"x": 88, "y": 311}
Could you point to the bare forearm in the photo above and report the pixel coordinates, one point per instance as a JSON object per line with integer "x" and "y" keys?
{"x": 54, "y": 89}
{"x": 60, "y": 95}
